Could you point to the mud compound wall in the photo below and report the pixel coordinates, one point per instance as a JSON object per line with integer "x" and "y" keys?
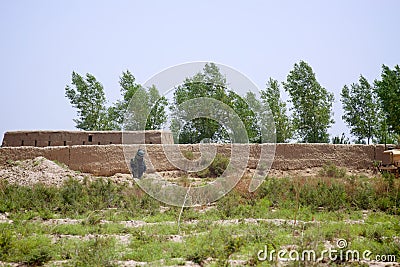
{"x": 106, "y": 160}
{"x": 73, "y": 138}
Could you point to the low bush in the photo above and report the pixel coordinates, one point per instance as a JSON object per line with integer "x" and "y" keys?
{"x": 77, "y": 200}
{"x": 32, "y": 251}
{"x": 6, "y": 236}
{"x": 331, "y": 170}
{"x": 97, "y": 252}
{"x": 188, "y": 154}
{"x": 354, "y": 192}
{"x": 219, "y": 244}
{"x": 216, "y": 168}
{"x": 74, "y": 199}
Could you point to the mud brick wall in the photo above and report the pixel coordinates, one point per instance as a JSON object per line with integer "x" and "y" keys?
{"x": 73, "y": 138}
{"x": 106, "y": 160}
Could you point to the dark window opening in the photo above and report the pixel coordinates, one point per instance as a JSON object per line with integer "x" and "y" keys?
{"x": 110, "y": 143}
{"x": 35, "y": 142}
{"x": 22, "y": 143}
{"x": 49, "y": 144}
{"x": 90, "y": 138}
{"x": 151, "y": 142}
{"x": 99, "y": 143}
{"x": 83, "y": 142}
{"x": 65, "y": 143}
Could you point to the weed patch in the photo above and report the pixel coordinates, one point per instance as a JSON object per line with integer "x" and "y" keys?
{"x": 304, "y": 213}
{"x": 332, "y": 171}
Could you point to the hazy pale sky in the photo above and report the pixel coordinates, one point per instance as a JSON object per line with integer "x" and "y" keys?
{"x": 42, "y": 42}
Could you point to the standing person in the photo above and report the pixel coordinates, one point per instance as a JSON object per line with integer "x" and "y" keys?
{"x": 138, "y": 165}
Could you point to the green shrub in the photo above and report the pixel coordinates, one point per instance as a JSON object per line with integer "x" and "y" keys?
{"x": 74, "y": 196}
{"x": 276, "y": 191}
{"x": 219, "y": 165}
{"x": 103, "y": 194}
{"x": 38, "y": 198}
{"x": 229, "y": 205}
{"x": 96, "y": 252}
{"x": 33, "y": 250}
{"x": 92, "y": 219}
{"x": 218, "y": 244}
{"x": 389, "y": 179}
{"x": 188, "y": 154}
{"x": 331, "y": 170}
{"x": 361, "y": 195}
{"x": 6, "y": 236}
{"x": 331, "y": 196}
{"x": 149, "y": 245}
{"x": 216, "y": 168}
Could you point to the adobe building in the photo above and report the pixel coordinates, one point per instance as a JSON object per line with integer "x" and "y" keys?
{"x": 73, "y": 138}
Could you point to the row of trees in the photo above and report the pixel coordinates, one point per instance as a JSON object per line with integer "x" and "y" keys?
{"x": 86, "y": 94}
{"x": 311, "y": 112}
{"x": 372, "y": 112}
{"x": 210, "y": 83}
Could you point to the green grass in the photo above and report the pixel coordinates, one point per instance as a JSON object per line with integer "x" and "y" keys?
{"x": 321, "y": 206}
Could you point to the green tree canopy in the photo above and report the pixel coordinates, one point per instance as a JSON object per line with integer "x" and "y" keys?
{"x": 158, "y": 114}
{"x": 87, "y": 96}
{"x": 147, "y": 110}
{"x": 312, "y": 104}
{"x": 209, "y": 83}
{"x": 361, "y": 109}
{"x": 272, "y": 96}
{"x": 388, "y": 91}
{"x": 128, "y": 87}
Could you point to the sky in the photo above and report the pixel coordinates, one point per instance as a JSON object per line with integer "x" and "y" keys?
{"x": 42, "y": 42}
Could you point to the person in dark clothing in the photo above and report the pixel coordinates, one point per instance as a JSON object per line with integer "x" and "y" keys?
{"x": 138, "y": 166}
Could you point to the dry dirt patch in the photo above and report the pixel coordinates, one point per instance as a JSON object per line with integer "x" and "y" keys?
{"x": 37, "y": 170}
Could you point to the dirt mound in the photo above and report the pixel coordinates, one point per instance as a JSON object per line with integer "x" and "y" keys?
{"x": 37, "y": 170}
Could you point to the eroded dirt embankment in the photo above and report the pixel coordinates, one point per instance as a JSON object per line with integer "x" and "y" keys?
{"x": 108, "y": 160}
